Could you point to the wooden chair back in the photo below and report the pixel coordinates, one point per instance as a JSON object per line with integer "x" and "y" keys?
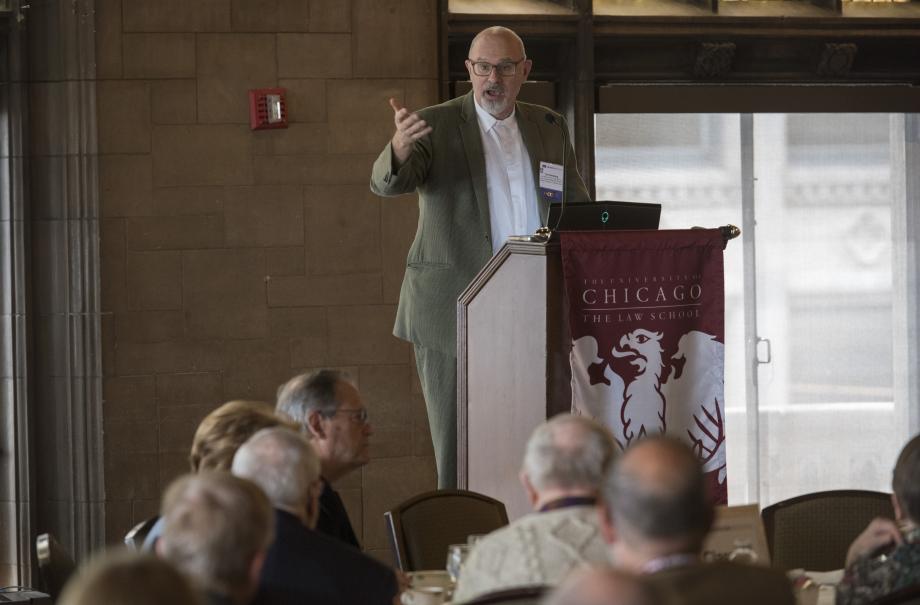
{"x": 421, "y": 528}
{"x": 814, "y": 531}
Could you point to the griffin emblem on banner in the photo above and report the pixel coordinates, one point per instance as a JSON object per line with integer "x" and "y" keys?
{"x": 680, "y": 395}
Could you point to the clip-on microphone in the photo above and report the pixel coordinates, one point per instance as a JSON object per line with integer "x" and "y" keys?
{"x": 544, "y": 232}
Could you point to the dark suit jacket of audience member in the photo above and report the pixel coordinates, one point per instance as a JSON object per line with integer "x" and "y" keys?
{"x": 215, "y": 598}
{"x": 722, "y": 584}
{"x": 333, "y": 518}
{"x": 304, "y": 566}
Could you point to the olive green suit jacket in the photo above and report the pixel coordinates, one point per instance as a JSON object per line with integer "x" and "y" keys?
{"x": 453, "y": 240}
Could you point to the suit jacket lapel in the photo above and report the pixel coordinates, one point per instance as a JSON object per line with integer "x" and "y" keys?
{"x": 530, "y": 133}
{"x": 472, "y": 144}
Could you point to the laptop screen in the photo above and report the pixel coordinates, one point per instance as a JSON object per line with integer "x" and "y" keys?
{"x": 603, "y": 215}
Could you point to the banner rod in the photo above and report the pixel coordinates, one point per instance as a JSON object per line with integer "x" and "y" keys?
{"x": 729, "y": 232}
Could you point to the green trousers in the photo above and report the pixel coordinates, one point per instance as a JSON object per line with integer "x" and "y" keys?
{"x": 438, "y": 375}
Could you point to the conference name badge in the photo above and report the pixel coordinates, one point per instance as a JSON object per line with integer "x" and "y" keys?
{"x": 551, "y": 181}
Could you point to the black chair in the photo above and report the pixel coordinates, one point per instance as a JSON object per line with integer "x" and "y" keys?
{"x": 524, "y": 595}
{"x": 136, "y": 535}
{"x": 814, "y": 531}
{"x": 421, "y": 528}
{"x": 55, "y": 565}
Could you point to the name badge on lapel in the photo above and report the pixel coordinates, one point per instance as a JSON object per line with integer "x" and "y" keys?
{"x": 552, "y": 180}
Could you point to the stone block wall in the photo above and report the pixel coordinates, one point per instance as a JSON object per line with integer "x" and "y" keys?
{"x": 233, "y": 259}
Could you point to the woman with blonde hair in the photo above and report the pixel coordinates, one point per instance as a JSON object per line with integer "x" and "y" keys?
{"x": 216, "y": 440}
{"x": 224, "y": 430}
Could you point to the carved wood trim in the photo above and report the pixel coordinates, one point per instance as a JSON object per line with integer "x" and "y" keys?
{"x": 837, "y": 59}
{"x": 714, "y": 59}
{"x": 740, "y": 98}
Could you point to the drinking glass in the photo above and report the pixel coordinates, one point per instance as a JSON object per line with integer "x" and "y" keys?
{"x": 456, "y": 555}
{"x": 743, "y": 553}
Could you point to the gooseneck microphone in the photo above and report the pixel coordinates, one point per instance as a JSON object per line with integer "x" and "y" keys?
{"x": 551, "y": 118}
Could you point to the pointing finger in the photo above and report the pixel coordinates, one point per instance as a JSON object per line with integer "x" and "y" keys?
{"x": 403, "y": 115}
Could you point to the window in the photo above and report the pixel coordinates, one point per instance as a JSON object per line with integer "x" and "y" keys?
{"x": 820, "y": 292}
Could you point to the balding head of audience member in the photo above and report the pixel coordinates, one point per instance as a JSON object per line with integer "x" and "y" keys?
{"x": 227, "y": 428}
{"x": 217, "y": 529}
{"x": 284, "y": 464}
{"x": 129, "y": 578}
{"x": 567, "y": 456}
{"x": 656, "y": 503}
{"x": 601, "y": 586}
{"x": 905, "y": 483}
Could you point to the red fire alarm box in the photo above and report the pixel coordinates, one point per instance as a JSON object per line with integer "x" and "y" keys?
{"x": 267, "y": 108}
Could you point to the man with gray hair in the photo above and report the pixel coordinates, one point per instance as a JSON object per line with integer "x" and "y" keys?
{"x": 331, "y": 412}
{"x": 657, "y": 515}
{"x": 565, "y": 463}
{"x": 304, "y": 566}
{"x": 216, "y": 529}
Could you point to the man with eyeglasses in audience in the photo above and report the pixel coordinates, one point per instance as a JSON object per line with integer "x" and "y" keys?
{"x": 485, "y": 166}
{"x": 331, "y": 413}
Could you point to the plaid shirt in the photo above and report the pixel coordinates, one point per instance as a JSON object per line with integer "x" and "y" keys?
{"x": 870, "y": 578}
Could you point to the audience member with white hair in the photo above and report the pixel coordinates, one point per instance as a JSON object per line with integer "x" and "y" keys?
{"x": 303, "y": 565}
{"x": 129, "y": 578}
{"x": 565, "y": 463}
{"x": 216, "y": 529}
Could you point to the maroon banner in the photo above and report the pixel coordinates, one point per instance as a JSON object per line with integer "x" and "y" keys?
{"x": 646, "y": 311}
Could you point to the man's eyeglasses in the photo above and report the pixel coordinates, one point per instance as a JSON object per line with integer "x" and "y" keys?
{"x": 504, "y": 69}
{"x": 359, "y": 416}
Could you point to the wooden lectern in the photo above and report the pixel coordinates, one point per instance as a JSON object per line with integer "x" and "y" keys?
{"x": 513, "y": 371}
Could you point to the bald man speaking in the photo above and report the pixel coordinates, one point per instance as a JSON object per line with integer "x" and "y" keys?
{"x": 485, "y": 166}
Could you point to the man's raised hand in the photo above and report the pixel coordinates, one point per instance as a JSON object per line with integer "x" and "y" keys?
{"x": 409, "y": 129}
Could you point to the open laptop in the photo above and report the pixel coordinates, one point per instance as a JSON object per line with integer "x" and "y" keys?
{"x": 603, "y": 216}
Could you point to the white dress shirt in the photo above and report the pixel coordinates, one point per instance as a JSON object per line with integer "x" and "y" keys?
{"x": 509, "y": 179}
